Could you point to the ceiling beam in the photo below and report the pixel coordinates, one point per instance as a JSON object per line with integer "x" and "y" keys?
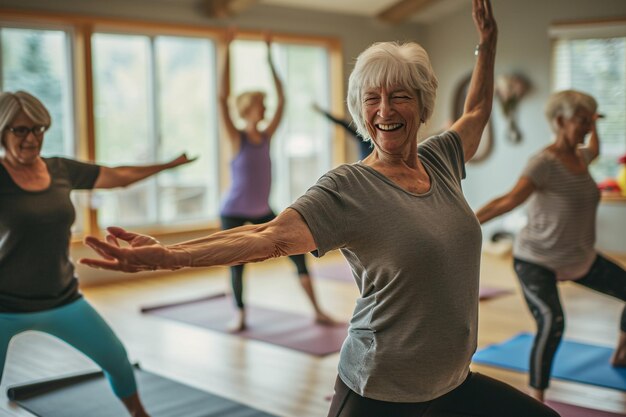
{"x": 227, "y": 8}
{"x": 402, "y": 10}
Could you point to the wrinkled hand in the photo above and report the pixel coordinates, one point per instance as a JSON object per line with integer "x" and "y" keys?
{"x": 484, "y": 20}
{"x": 145, "y": 253}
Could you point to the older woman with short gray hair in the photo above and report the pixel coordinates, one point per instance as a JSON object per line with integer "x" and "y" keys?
{"x": 558, "y": 242}
{"x": 400, "y": 219}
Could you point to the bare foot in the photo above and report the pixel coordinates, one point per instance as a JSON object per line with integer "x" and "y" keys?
{"x": 619, "y": 355}
{"x": 134, "y": 406}
{"x": 618, "y": 359}
{"x": 537, "y": 394}
{"x": 238, "y": 323}
{"x": 324, "y": 319}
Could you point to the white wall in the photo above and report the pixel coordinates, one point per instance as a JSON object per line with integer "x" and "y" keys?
{"x": 523, "y": 46}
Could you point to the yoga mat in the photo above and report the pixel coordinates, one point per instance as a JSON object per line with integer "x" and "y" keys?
{"x": 569, "y": 410}
{"x": 89, "y": 395}
{"x": 280, "y": 328}
{"x": 574, "y": 361}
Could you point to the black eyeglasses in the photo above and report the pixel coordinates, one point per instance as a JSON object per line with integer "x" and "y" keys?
{"x": 23, "y": 131}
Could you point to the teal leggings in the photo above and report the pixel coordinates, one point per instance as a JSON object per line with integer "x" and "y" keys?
{"x": 79, "y": 325}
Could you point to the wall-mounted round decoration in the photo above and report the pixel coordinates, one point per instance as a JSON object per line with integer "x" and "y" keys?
{"x": 458, "y": 103}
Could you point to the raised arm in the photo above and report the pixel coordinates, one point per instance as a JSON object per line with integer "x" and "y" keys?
{"x": 479, "y": 98}
{"x": 125, "y": 175}
{"x": 594, "y": 142}
{"x": 287, "y": 234}
{"x": 224, "y": 94}
{"x": 278, "y": 115}
{"x": 520, "y": 192}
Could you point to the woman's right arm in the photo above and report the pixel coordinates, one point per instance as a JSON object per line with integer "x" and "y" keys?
{"x": 520, "y": 193}
{"x": 287, "y": 234}
{"x": 224, "y": 94}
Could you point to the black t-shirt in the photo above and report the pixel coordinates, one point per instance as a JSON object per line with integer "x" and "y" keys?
{"x": 36, "y": 272}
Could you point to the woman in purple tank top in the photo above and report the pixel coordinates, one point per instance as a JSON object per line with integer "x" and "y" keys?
{"x": 247, "y": 200}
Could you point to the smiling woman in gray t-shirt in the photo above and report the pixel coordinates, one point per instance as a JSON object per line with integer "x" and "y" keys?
{"x": 400, "y": 219}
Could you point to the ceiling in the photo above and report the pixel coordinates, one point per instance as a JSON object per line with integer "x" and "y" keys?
{"x": 372, "y": 8}
{"x": 423, "y": 11}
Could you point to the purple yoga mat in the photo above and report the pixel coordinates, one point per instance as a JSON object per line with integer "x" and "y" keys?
{"x": 568, "y": 410}
{"x": 293, "y": 331}
{"x": 340, "y": 271}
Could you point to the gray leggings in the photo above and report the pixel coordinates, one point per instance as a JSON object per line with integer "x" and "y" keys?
{"x": 478, "y": 396}
{"x": 542, "y": 296}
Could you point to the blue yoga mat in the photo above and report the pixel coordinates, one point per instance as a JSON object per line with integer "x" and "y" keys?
{"x": 574, "y": 361}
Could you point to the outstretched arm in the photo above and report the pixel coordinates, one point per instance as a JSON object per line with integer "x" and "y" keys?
{"x": 287, "y": 234}
{"x": 224, "y": 94}
{"x": 341, "y": 122}
{"x": 520, "y": 192}
{"x": 479, "y": 99}
{"x": 126, "y": 175}
{"x": 278, "y": 115}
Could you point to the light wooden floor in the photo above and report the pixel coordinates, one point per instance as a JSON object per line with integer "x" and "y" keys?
{"x": 278, "y": 380}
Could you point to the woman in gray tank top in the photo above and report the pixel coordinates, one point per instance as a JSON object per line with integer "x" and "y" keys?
{"x": 400, "y": 219}
{"x": 558, "y": 242}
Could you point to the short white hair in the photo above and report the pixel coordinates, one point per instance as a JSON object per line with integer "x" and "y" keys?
{"x": 386, "y": 64}
{"x": 567, "y": 102}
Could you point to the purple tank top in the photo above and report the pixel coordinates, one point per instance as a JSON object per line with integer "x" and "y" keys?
{"x": 251, "y": 176}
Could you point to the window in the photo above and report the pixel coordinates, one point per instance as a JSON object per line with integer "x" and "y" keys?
{"x": 154, "y": 99}
{"x": 301, "y": 146}
{"x": 594, "y": 61}
{"x": 139, "y": 94}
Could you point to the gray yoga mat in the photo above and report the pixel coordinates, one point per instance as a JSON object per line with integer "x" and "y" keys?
{"x": 89, "y": 395}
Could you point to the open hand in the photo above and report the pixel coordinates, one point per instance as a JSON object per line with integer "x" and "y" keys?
{"x": 145, "y": 253}
{"x": 484, "y": 20}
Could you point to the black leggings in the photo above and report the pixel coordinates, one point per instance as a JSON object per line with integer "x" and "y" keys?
{"x": 478, "y": 396}
{"x": 236, "y": 272}
{"x": 542, "y": 296}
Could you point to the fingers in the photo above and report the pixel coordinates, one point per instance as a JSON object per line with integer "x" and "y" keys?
{"x": 111, "y": 240}
{"x": 103, "y": 249}
{"x": 100, "y": 264}
{"x": 120, "y": 233}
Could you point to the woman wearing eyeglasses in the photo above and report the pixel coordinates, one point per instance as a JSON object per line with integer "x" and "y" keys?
{"x": 38, "y": 286}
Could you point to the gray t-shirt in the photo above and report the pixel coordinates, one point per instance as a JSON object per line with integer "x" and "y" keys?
{"x": 415, "y": 258}
{"x": 35, "y": 269}
{"x": 561, "y": 230}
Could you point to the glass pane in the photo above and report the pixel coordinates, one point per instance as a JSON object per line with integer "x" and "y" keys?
{"x": 37, "y": 61}
{"x": 187, "y": 123}
{"x": 304, "y": 144}
{"x": 301, "y": 148}
{"x": 123, "y": 122}
{"x": 598, "y": 67}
